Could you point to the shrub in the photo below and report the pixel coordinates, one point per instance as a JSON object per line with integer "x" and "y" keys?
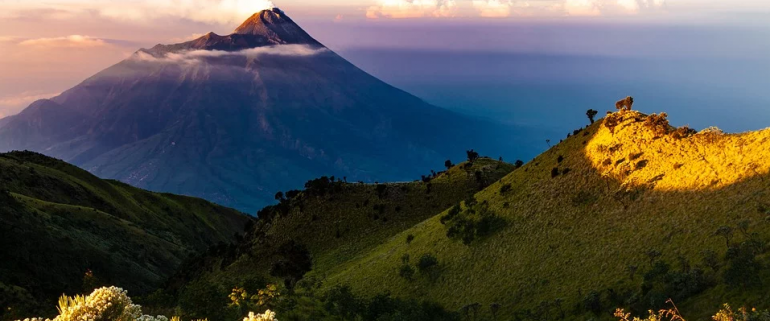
{"x": 742, "y": 267}
{"x": 592, "y": 302}
{"x": 426, "y": 262}
{"x": 519, "y": 163}
{"x": 448, "y": 164}
{"x": 658, "y": 124}
{"x": 554, "y": 172}
{"x": 409, "y": 238}
{"x": 406, "y": 271}
{"x": 505, "y": 188}
{"x": 683, "y": 132}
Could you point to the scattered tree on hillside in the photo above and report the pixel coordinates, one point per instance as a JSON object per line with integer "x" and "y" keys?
{"x": 448, "y": 164}
{"x": 519, "y": 163}
{"x": 472, "y": 155}
{"x": 295, "y": 262}
{"x": 591, "y": 114}
{"x": 726, "y": 232}
{"x": 279, "y": 196}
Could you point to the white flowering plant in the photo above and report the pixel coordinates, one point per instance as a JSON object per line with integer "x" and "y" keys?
{"x": 114, "y": 304}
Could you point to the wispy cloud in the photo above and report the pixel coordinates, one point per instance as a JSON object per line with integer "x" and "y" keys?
{"x": 399, "y": 9}
{"x": 197, "y": 56}
{"x": 208, "y": 11}
{"x": 508, "y": 8}
{"x": 72, "y": 41}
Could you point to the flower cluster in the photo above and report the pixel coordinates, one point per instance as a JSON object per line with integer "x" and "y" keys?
{"x": 107, "y": 303}
{"x": 152, "y": 318}
{"x": 113, "y": 304}
{"x": 268, "y": 316}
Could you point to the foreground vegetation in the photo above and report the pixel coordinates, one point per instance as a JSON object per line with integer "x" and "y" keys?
{"x": 59, "y": 224}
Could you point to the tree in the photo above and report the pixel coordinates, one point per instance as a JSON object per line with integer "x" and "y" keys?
{"x": 472, "y": 155}
{"x": 591, "y": 114}
{"x": 448, "y": 164}
{"x": 519, "y": 163}
{"x": 279, "y": 196}
{"x": 426, "y": 262}
{"x": 295, "y": 262}
{"x": 726, "y": 232}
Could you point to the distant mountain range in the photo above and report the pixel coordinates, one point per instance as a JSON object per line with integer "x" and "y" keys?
{"x": 236, "y": 118}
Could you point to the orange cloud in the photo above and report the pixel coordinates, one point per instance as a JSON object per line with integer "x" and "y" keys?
{"x": 400, "y": 9}
{"x": 73, "y": 41}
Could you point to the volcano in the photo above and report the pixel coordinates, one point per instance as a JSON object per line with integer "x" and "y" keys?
{"x": 236, "y": 118}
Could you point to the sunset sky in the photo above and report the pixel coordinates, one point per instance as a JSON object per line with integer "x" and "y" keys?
{"x": 47, "y": 46}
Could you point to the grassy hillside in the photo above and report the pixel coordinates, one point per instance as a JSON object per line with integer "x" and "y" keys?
{"x": 627, "y": 212}
{"x": 57, "y": 222}
{"x": 338, "y": 221}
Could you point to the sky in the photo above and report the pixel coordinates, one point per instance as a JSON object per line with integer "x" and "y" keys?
{"x": 48, "y": 46}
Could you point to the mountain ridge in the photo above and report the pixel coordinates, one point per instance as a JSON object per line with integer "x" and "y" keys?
{"x": 234, "y": 118}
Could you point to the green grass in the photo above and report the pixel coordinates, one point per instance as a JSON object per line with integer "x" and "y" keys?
{"x": 577, "y": 232}
{"x": 59, "y": 221}
{"x": 343, "y": 224}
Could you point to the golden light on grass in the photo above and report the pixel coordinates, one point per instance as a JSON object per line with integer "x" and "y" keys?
{"x": 639, "y": 156}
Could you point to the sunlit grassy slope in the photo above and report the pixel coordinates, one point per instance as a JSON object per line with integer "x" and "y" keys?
{"x": 58, "y": 221}
{"x": 349, "y": 220}
{"x": 579, "y": 214}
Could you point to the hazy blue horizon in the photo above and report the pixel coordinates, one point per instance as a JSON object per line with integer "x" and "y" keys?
{"x": 551, "y": 93}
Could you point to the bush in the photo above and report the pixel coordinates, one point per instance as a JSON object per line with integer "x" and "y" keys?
{"x": 409, "y": 238}
{"x": 554, "y": 172}
{"x": 658, "y": 124}
{"x": 406, "y": 271}
{"x": 505, "y": 188}
{"x": 427, "y": 262}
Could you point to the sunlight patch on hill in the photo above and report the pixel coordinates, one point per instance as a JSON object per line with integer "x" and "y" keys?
{"x": 640, "y": 157}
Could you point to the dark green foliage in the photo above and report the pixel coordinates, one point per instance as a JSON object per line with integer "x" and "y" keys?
{"x": 427, "y": 261}
{"x": 201, "y": 299}
{"x": 742, "y": 268}
{"x": 66, "y": 222}
{"x": 448, "y": 164}
{"x": 409, "y": 238}
{"x": 560, "y": 159}
{"x": 340, "y": 302}
{"x": 518, "y": 163}
{"x": 295, "y": 262}
{"x": 592, "y": 302}
{"x": 406, "y": 271}
{"x": 505, "y": 188}
{"x": 554, "y": 172}
{"x": 476, "y": 221}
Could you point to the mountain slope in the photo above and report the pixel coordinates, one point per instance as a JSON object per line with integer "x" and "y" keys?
{"x": 235, "y": 118}
{"x": 337, "y": 221}
{"x": 628, "y": 212}
{"x": 57, "y": 222}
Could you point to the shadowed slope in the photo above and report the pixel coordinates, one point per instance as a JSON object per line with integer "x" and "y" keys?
{"x": 57, "y": 222}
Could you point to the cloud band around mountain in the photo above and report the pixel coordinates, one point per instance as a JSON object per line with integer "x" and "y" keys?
{"x": 197, "y": 56}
